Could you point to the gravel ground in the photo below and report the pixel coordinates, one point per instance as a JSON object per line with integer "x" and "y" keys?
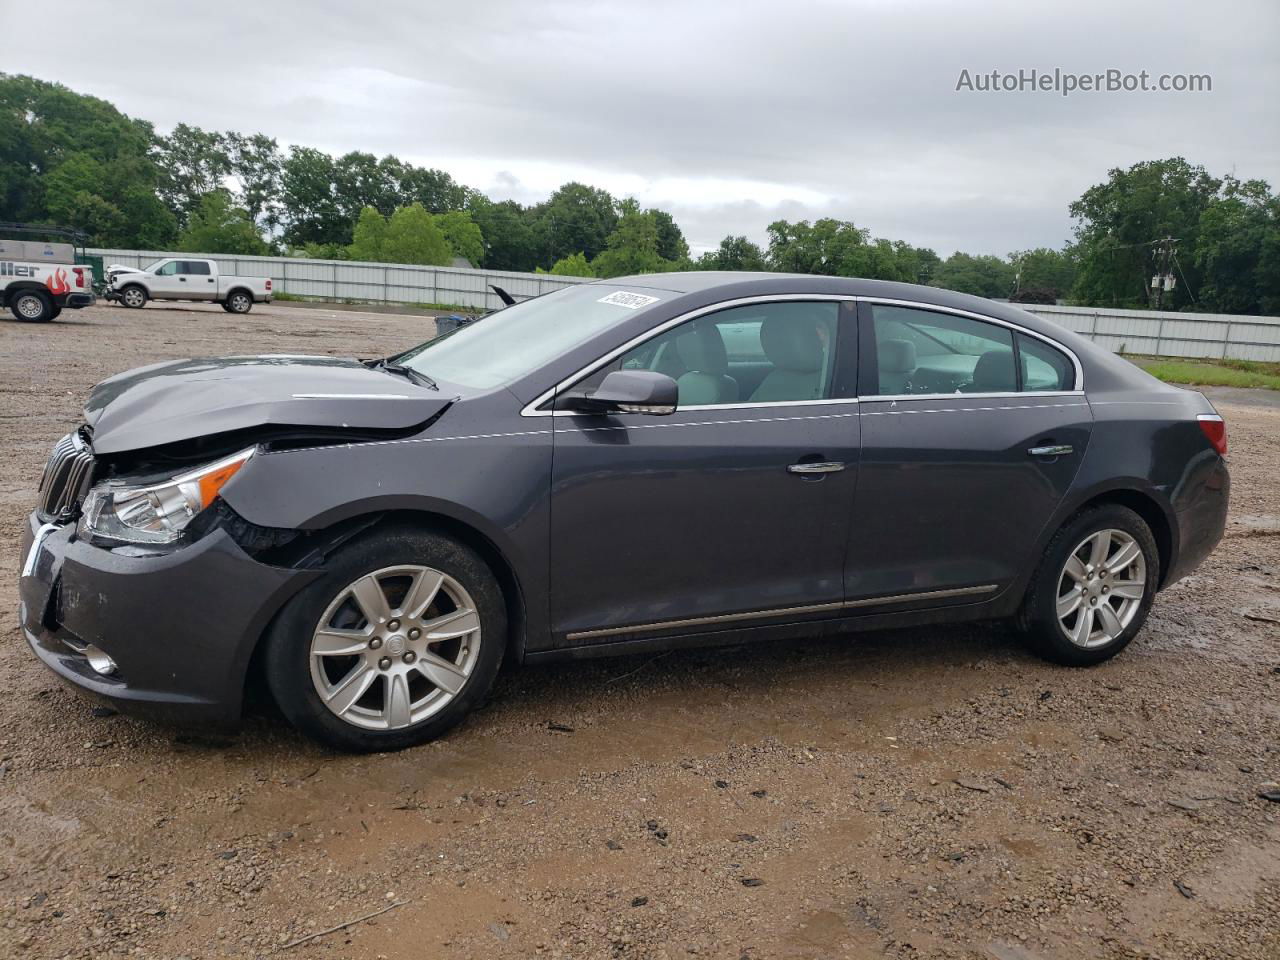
{"x": 925, "y": 793}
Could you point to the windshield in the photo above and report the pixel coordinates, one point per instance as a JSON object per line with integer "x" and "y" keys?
{"x": 514, "y": 342}
{"x": 151, "y": 267}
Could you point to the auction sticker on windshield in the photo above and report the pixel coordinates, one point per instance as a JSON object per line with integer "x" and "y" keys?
{"x": 632, "y": 301}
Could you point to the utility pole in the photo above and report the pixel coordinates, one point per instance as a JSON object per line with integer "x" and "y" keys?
{"x": 1163, "y": 279}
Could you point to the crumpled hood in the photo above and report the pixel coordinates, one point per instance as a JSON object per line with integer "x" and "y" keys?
{"x": 185, "y": 399}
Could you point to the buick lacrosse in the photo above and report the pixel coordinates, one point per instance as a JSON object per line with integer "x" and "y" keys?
{"x": 646, "y": 462}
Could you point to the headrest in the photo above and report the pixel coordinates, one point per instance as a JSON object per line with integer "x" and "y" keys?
{"x": 790, "y": 341}
{"x": 897, "y": 356}
{"x": 701, "y": 348}
{"x": 994, "y": 373}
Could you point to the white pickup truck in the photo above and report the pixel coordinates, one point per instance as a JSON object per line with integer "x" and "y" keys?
{"x": 185, "y": 278}
{"x": 36, "y": 288}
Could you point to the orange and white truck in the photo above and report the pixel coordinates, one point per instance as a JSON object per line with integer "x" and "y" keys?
{"x": 38, "y": 280}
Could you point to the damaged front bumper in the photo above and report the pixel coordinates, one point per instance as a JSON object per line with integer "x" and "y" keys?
{"x": 168, "y": 634}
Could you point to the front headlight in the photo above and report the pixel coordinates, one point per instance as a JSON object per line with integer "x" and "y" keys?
{"x": 158, "y": 512}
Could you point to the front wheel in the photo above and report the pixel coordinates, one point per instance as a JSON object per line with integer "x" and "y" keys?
{"x": 1094, "y": 588}
{"x": 393, "y": 646}
{"x": 32, "y": 306}
{"x": 133, "y": 297}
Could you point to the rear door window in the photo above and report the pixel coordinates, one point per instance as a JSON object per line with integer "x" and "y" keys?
{"x": 920, "y": 352}
{"x": 1043, "y": 366}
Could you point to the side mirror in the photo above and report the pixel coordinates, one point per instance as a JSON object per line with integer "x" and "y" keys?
{"x": 629, "y": 391}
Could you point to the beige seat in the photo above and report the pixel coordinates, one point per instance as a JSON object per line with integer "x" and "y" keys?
{"x": 706, "y": 380}
{"x": 897, "y": 364}
{"x": 794, "y": 348}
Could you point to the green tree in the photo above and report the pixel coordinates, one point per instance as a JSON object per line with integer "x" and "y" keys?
{"x": 313, "y": 214}
{"x": 1045, "y": 269}
{"x": 436, "y": 190}
{"x": 78, "y": 161}
{"x": 509, "y": 241}
{"x": 413, "y": 237}
{"x": 572, "y": 266}
{"x": 1235, "y": 254}
{"x": 369, "y": 237}
{"x": 256, "y": 164}
{"x": 734, "y": 253}
{"x": 574, "y": 218}
{"x": 217, "y": 225}
{"x": 193, "y": 163}
{"x": 982, "y": 276}
{"x": 671, "y": 242}
{"x": 840, "y": 248}
{"x": 463, "y": 235}
{"x": 1119, "y": 221}
{"x": 633, "y": 246}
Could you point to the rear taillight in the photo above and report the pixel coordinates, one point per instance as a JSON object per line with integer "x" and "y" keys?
{"x": 268, "y": 285}
{"x": 79, "y": 272}
{"x": 1215, "y": 429}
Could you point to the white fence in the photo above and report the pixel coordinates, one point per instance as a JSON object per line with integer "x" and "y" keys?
{"x": 371, "y": 282}
{"x": 1170, "y": 334}
{"x": 1134, "y": 331}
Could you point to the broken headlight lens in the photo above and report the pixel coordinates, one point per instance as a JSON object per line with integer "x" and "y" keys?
{"x": 157, "y": 512}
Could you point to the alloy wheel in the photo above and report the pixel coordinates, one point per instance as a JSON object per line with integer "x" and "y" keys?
{"x": 394, "y": 647}
{"x": 133, "y": 297}
{"x": 1101, "y": 588}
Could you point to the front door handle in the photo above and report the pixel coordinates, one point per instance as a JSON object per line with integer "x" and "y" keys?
{"x": 1053, "y": 450}
{"x": 825, "y": 466}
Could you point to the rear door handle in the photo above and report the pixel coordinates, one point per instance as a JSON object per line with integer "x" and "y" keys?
{"x": 1053, "y": 450}
{"x": 826, "y": 466}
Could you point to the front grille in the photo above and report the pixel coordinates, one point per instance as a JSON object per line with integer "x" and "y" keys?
{"x": 65, "y": 479}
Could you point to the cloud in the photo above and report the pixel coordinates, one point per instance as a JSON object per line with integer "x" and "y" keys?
{"x": 729, "y": 114}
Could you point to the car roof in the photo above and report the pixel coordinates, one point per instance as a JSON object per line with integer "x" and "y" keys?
{"x": 745, "y": 283}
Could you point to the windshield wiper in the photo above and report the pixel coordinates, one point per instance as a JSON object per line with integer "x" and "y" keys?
{"x": 421, "y": 379}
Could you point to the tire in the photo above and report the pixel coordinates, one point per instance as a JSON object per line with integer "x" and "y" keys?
{"x": 1080, "y": 632}
{"x": 239, "y": 301}
{"x": 362, "y": 695}
{"x": 57, "y": 311}
{"x": 134, "y": 297}
{"x": 224, "y": 306}
{"x": 33, "y": 306}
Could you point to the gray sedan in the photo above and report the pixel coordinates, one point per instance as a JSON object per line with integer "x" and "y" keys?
{"x": 640, "y": 463}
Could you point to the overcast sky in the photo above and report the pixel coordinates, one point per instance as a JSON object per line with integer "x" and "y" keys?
{"x": 730, "y": 114}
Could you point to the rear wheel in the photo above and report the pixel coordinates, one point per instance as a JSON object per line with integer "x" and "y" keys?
{"x": 34, "y": 306}
{"x": 133, "y": 297}
{"x": 1094, "y": 588}
{"x": 392, "y": 647}
{"x": 239, "y": 302}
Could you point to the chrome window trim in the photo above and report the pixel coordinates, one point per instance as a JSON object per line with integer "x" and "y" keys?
{"x": 781, "y": 612}
{"x": 1006, "y": 395}
{"x": 530, "y": 409}
{"x": 957, "y": 311}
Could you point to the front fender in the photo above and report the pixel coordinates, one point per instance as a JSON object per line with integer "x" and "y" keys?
{"x": 496, "y": 484}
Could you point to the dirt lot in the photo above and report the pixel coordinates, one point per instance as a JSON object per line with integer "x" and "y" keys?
{"x": 925, "y": 793}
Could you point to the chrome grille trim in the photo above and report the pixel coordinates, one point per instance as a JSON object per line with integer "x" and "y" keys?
{"x": 66, "y": 478}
